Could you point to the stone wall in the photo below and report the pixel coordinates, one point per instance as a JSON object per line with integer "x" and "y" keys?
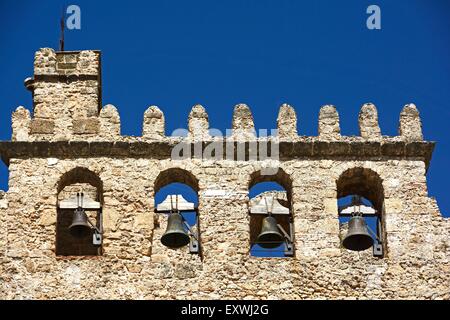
{"x": 136, "y": 265}
{"x": 126, "y": 172}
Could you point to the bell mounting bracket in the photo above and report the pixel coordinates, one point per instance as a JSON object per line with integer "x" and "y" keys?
{"x": 288, "y": 241}
{"x": 194, "y": 243}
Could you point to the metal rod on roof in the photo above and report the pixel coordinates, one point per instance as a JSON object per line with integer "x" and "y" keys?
{"x": 61, "y": 40}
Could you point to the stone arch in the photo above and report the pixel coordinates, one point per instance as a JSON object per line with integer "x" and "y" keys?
{"x": 81, "y": 175}
{"x": 281, "y": 177}
{"x": 173, "y": 175}
{"x": 364, "y": 182}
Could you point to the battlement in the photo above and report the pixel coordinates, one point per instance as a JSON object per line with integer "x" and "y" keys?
{"x": 67, "y": 107}
{"x": 106, "y": 126}
{"x": 107, "y": 141}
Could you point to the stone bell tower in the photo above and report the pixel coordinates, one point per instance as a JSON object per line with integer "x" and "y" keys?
{"x": 70, "y": 144}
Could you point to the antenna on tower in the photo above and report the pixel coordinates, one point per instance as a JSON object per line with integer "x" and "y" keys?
{"x": 61, "y": 40}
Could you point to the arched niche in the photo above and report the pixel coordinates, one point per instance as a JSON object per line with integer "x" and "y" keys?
{"x": 279, "y": 187}
{"x": 78, "y": 180}
{"x": 363, "y": 182}
{"x": 364, "y": 186}
{"x": 177, "y": 182}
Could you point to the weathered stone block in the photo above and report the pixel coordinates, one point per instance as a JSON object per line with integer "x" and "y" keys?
{"x": 64, "y": 66}
{"x": 368, "y": 122}
{"x": 287, "y": 122}
{"x": 86, "y": 126}
{"x": 154, "y": 123}
{"x": 42, "y": 126}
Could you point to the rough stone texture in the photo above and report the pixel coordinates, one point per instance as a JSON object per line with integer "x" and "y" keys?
{"x": 42, "y": 127}
{"x": 198, "y": 123}
{"x": 287, "y": 122}
{"x": 109, "y": 122}
{"x": 124, "y": 174}
{"x": 86, "y": 126}
{"x": 329, "y": 123}
{"x": 242, "y": 126}
{"x": 66, "y": 86}
{"x": 154, "y": 124}
{"x": 368, "y": 122}
{"x": 21, "y": 124}
{"x": 135, "y": 264}
{"x": 410, "y": 124}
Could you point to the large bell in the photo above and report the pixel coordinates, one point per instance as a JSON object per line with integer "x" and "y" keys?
{"x": 358, "y": 237}
{"x": 270, "y": 236}
{"x": 176, "y": 235}
{"x": 80, "y": 227}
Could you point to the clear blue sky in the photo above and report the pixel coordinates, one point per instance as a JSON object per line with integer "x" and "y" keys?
{"x": 175, "y": 54}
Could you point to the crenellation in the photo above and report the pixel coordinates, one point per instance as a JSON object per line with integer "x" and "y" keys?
{"x": 109, "y": 123}
{"x": 329, "y": 123}
{"x": 3, "y": 201}
{"x": 243, "y": 127}
{"x": 70, "y": 144}
{"x": 21, "y": 120}
{"x": 198, "y": 124}
{"x": 66, "y": 92}
{"x": 368, "y": 122}
{"x": 410, "y": 124}
{"x": 287, "y": 122}
{"x": 88, "y": 63}
{"x": 154, "y": 124}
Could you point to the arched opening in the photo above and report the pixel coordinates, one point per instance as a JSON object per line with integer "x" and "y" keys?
{"x": 176, "y": 192}
{"x": 176, "y": 175}
{"x": 79, "y": 189}
{"x": 270, "y": 196}
{"x": 361, "y": 203}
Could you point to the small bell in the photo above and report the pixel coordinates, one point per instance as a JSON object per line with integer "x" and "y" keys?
{"x": 270, "y": 236}
{"x": 175, "y": 236}
{"x": 358, "y": 237}
{"x": 80, "y": 227}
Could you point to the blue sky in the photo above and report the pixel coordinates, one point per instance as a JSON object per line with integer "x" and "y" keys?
{"x": 175, "y": 54}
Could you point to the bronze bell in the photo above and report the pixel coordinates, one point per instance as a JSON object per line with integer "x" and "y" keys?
{"x": 358, "y": 237}
{"x": 270, "y": 236}
{"x": 80, "y": 227}
{"x": 176, "y": 235}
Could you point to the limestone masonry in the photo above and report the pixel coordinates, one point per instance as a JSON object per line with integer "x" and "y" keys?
{"x": 71, "y": 143}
